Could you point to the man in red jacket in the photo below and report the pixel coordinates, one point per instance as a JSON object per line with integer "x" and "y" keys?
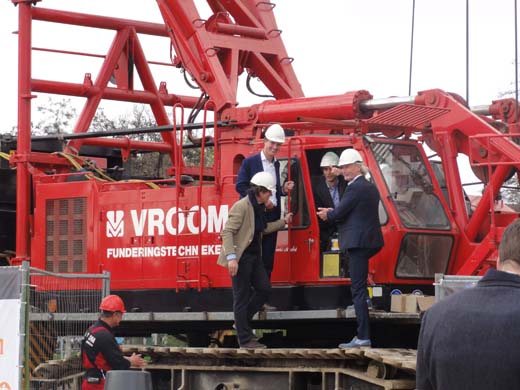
{"x": 99, "y": 349}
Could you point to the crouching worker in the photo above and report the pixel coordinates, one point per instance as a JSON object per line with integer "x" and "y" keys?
{"x": 242, "y": 254}
{"x": 99, "y": 350}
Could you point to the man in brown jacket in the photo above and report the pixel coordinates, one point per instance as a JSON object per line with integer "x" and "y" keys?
{"x": 242, "y": 243}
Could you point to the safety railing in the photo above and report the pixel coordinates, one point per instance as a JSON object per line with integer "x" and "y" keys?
{"x": 446, "y": 285}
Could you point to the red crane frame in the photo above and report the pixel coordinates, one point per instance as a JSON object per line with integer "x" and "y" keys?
{"x": 243, "y": 35}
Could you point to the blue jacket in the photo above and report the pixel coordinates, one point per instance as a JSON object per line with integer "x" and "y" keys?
{"x": 470, "y": 340}
{"x": 250, "y": 166}
{"x": 357, "y": 216}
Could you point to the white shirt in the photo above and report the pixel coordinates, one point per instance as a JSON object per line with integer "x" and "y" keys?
{"x": 268, "y": 166}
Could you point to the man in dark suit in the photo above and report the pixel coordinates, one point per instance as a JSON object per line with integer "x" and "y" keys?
{"x": 360, "y": 235}
{"x": 470, "y": 340}
{"x": 266, "y": 161}
{"x": 328, "y": 191}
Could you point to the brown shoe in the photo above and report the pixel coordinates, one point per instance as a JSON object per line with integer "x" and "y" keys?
{"x": 253, "y": 344}
{"x": 268, "y": 307}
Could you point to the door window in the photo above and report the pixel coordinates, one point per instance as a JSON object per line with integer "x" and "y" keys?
{"x": 298, "y": 198}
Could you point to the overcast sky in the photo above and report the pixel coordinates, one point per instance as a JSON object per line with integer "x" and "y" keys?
{"x": 338, "y": 46}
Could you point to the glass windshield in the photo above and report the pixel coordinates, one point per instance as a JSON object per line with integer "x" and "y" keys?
{"x": 410, "y": 186}
{"x": 423, "y": 255}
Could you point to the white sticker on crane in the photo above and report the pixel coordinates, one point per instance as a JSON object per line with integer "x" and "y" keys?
{"x": 162, "y": 251}
{"x": 160, "y": 222}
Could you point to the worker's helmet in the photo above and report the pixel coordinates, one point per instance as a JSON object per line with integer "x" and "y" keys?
{"x": 112, "y": 303}
{"x": 349, "y": 156}
{"x": 329, "y": 159}
{"x": 264, "y": 179}
{"x": 275, "y": 133}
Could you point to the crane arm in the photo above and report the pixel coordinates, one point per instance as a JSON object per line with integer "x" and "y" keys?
{"x": 239, "y": 35}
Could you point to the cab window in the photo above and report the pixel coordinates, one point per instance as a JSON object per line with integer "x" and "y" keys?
{"x": 410, "y": 186}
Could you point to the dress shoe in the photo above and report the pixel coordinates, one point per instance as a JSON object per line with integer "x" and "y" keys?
{"x": 356, "y": 343}
{"x": 253, "y": 344}
{"x": 268, "y": 307}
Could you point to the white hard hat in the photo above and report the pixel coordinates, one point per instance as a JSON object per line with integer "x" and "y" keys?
{"x": 275, "y": 133}
{"x": 329, "y": 159}
{"x": 349, "y": 156}
{"x": 264, "y": 179}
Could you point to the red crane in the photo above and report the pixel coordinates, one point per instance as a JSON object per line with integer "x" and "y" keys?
{"x": 161, "y": 236}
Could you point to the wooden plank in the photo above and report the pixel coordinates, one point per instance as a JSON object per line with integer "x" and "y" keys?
{"x": 394, "y": 357}
{"x": 299, "y": 353}
{"x": 374, "y": 354}
{"x": 353, "y": 353}
{"x": 336, "y": 353}
{"x": 283, "y": 353}
{"x": 390, "y": 384}
{"x": 410, "y": 365}
{"x": 194, "y": 351}
{"x": 279, "y": 353}
{"x": 216, "y": 352}
{"x": 404, "y": 359}
{"x": 263, "y": 352}
{"x": 242, "y": 352}
{"x": 225, "y": 352}
{"x": 317, "y": 353}
{"x": 395, "y": 362}
{"x": 178, "y": 350}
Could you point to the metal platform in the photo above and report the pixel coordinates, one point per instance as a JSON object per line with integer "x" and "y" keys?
{"x": 228, "y": 316}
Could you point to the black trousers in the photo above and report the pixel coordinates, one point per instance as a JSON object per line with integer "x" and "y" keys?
{"x": 251, "y": 288}
{"x": 358, "y": 268}
{"x": 269, "y": 244}
{"x": 268, "y": 250}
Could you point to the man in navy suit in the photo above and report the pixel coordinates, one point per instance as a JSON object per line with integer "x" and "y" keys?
{"x": 265, "y": 161}
{"x": 360, "y": 235}
{"x": 328, "y": 191}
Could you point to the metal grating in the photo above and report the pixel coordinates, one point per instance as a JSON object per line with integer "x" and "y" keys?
{"x": 405, "y": 116}
{"x": 53, "y": 347}
{"x": 66, "y": 221}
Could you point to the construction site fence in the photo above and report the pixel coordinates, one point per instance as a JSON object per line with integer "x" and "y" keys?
{"x": 446, "y": 285}
{"x": 12, "y": 330}
{"x": 60, "y": 309}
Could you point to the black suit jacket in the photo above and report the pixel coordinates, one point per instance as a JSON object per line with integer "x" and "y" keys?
{"x": 357, "y": 216}
{"x": 470, "y": 340}
{"x": 322, "y": 198}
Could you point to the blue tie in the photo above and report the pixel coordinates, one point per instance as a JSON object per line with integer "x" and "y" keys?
{"x": 334, "y": 195}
